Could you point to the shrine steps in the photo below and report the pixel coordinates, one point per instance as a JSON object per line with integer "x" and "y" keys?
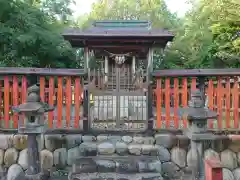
{"x": 116, "y": 167}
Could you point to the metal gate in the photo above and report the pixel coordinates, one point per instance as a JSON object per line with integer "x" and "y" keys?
{"x": 116, "y": 102}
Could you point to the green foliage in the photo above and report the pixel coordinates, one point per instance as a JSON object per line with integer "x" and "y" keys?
{"x": 29, "y": 37}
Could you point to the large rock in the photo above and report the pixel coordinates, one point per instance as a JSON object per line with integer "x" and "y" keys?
{"x": 236, "y": 174}
{"x": 114, "y": 138}
{"x": 46, "y": 159}
{"x": 72, "y": 154}
{"x": 138, "y": 139}
{"x": 88, "y": 149}
{"x": 227, "y": 174}
{"x": 106, "y": 165}
{"x": 165, "y": 140}
{"x": 53, "y": 142}
{"x": 169, "y": 169}
{"x": 126, "y": 166}
{"x": 10, "y": 157}
{"x": 6, "y": 141}
{"x": 89, "y": 138}
{"x": 1, "y": 156}
{"x": 209, "y": 153}
{"x": 23, "y": 159}
{"x": 162, "y": 153}
{"x": 60, "y": 157}
{"x": 106, "y": 148}
{"x": 178, "y": 156}
{"x": 148, "y": 149}
{"x": 20, "y": 141}
{"x": 102, "y": 137}
{"x": 121, "y": 148}
{"x": 135, "y": 149}
{"x": 228, "y": 159}
{"x": 15, "y": 172}
{"x": 148, "y": 140}
{"x": 127, "y": 139}
{"x": 155, "y": 166}
{"x": 238, "y": 157}
{"x": 73, "y": 140}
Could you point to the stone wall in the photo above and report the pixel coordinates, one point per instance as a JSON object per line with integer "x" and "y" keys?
{"x": 60, "y": 151}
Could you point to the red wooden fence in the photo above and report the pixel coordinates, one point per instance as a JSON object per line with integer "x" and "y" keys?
{"x": 221, "y": 87}
{"x": 63, "y": 87}
{"x": 58, "y": 87}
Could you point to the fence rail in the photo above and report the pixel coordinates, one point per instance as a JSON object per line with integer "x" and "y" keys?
{"x": 171, "y": 89}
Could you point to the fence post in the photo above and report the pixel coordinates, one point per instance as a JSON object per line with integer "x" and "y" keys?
{"x": 213, "y": 169}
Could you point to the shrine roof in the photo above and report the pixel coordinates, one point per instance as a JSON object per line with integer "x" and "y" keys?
{"x": 107, "y": 31}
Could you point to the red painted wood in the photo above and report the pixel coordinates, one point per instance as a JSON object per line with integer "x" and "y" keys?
{"x": 213, "y": 169}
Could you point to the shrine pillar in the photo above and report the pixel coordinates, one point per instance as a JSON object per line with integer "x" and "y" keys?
{"x": 106, "y": 69}
{"x": 133, "y": 64}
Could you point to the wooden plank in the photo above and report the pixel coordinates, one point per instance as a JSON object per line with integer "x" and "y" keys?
{"x": 158, "y": 93}
{"x": 176, "y": 103}
{"x": 185, "y": 99}
{"x": 236, "y": 103}
{"x": 213, "y": 169}
{"x": 6, "y": 101}
{"x": 167, "y": 101}
{"x": 42, "y": 88}
{"x": 42, "y": 71}
{"x": 228, "y": 103}
{"x": 219, "y": 102}
{"x": 194, "y": 83}
{"x": 77, "y": 98}
{"x": 59, "y": 102}
{"x": 196, "y": 72}
{"x": 51, "y": 95}
{"x": 210, "y": 99}
{"x": 68, "y": 101}
{"x": 15, "y": 100}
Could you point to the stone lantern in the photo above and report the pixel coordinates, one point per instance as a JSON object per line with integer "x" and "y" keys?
{"x": 198, "y": 115}
{"x": 33, "y": 126}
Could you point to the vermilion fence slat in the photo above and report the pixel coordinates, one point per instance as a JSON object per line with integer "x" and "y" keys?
{"x": 167, "y": 102}
{"x": 51, "y": 95}
{"x": 42, "y": 88}
{"x": 59, "y": 102}
{"x": 158, "y": 92}
{"x": 228, "y": 102}
{"x": 15, "y": 96}
{"x": 176, "y": 103}
{"x": 210, "y": 99}
{"x": 219, "y": 102}
{"x": 184, "y": 98}
{"x": 194, "y": 83}
{"x": 68, "y": 101}
{"x": 77, "y": 95}
{"x": 236, "y": 103}
{"x": 6, "y": 100}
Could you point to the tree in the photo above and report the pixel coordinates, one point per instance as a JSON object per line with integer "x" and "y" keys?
{"x": 28, "y": 38}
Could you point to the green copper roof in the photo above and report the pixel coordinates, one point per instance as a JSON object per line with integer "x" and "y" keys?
{"x": 122, "y": 24}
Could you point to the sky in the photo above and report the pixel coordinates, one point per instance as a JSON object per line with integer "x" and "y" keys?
{"x": 84, "y": 6}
